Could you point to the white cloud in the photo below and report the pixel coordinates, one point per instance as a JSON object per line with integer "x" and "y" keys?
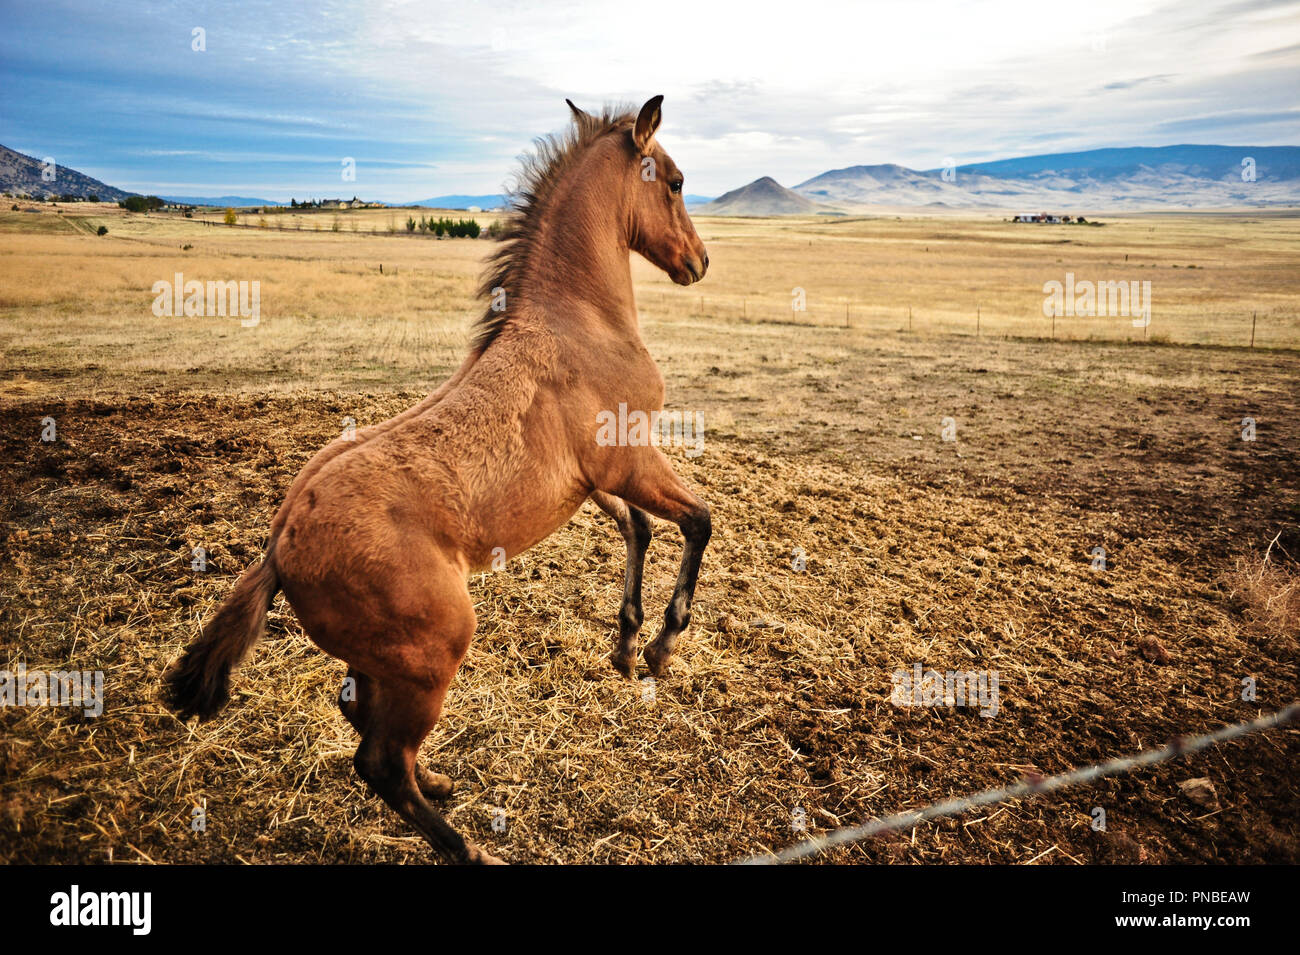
{"x": 450, "y": 92}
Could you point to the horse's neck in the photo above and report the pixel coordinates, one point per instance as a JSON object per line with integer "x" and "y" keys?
{"x": 579, "y": 268}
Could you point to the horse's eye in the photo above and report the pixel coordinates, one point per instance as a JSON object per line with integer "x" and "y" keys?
{"x": 675, "y": 185}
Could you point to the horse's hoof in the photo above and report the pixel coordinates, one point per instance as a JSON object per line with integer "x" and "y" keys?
{"x": 478, "y": 857}
{"x": 656, "y": 658}
{"x": 625, "y": 665}
{"x": 434, "y": 785}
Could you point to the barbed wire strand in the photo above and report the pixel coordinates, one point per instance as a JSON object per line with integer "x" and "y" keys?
{"x": 1031, "y": 786}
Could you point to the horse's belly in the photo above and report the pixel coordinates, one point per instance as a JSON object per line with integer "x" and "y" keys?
{"x": 519, "y": 519}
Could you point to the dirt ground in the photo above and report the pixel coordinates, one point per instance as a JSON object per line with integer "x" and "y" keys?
{"x": 968, "y": 554}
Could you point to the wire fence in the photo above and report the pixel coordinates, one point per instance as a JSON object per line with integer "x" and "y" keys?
{"x": 1174, "y": 323}
{"x": 1031, "y": 786}
{"x": 1190, "y": 322}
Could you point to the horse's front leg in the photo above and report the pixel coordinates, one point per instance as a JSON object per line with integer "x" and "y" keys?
{"x": 634, "y": 524}
{"x": 649, "y": 482}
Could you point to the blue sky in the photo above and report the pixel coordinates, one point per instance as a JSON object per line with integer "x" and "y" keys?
{"x": 439, "y": 97}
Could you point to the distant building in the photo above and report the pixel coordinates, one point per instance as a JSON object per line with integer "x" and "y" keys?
{"x": 1042, "y": 217}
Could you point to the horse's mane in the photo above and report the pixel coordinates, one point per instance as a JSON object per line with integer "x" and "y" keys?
{"x": 527, "y": 203}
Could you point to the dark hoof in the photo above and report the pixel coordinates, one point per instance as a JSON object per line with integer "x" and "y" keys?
{"x": 656, "y": 658}
{"x": 625, "y": 665}
{"x": 433, "y": 785}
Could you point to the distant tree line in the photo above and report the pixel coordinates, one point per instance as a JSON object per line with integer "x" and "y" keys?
{"x": 319, "y": 203}
{"x": 141, "y": 203}
{"x": 455, "y": 228}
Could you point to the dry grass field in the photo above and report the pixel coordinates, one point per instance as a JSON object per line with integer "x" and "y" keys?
{"x": 824, "y": 437}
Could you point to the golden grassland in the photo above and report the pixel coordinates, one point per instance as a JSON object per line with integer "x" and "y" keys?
{"x": 977, "y": 553}
{"x": 329, "y": 317}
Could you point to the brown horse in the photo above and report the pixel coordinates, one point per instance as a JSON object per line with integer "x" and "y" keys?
{"x": 376, "y": 539}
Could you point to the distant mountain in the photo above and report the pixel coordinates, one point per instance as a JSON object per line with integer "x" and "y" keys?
{"x": 494, "y": 201}
{"x": 233, "y": 201}
{"x": 23, "y": 175}
{"x": 1140, "y": 177}
{"x": 867, "y": 184}
{"x": 1096, "y": 180}
{"x": 762, "y": 197}
{"x": 1222, "y": 163}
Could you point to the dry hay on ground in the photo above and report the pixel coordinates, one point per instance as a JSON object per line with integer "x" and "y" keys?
{"x": 777, "y": 700}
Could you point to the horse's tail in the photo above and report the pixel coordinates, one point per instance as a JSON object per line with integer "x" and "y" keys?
{"x": 199, "y": 683}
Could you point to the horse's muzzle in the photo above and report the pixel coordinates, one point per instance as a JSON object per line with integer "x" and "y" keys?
{"x": 697, "y": 266}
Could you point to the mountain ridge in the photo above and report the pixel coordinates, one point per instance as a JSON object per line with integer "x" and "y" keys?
{"x": 762, "y": 197}
{"x": 1121, "y": 178}
{"x": 21, "y": 174}
{"x": 1183, "y": 177}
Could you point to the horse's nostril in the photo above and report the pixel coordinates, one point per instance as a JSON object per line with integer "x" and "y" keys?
{"x": 706, "y": 261}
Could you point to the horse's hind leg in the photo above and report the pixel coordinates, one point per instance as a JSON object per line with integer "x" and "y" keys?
{"x": 634, "y": 524}
{"x": 651, "y": 485}
{"x": 399, "y": 715}
{"x": 353, "y": 697}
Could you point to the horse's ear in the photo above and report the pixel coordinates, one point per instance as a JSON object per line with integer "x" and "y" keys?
{"x": 579, "y": 116}
{"x": 647, "y": 122}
